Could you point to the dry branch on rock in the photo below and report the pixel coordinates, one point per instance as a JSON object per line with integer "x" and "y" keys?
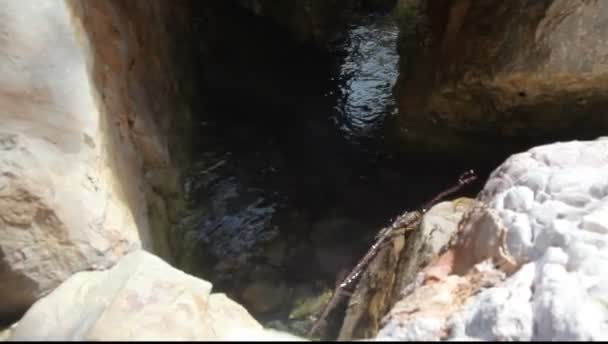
{"x": 406, "y": 220}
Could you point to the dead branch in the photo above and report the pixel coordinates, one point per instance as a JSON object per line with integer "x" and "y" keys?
{"x": 407, "y": 219}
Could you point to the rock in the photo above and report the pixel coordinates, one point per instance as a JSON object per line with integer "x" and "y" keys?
{"x": 396, "y": 267}
{"x": 438, "y": 226}
{"x": 85, "y": 102}
{"x": 140, "y": 298}
{"x": 483, "y": 75}
{"x": 431, "y": 305}
{"x": 53, "y": 220}
{"x": 530, "y": 272}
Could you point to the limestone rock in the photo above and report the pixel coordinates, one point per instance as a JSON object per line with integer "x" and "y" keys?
{"x": 488, "y": 74}
{"x": 528, "y": 263}
{"x": 140, "y": 298}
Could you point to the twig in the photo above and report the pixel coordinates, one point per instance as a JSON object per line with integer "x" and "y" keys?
{"x": 405, "y": 220}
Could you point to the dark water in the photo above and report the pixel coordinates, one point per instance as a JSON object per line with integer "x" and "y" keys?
{"x": 295, "y": 169}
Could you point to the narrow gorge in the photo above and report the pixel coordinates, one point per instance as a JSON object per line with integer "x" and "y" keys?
{"x": 212, "y": 170}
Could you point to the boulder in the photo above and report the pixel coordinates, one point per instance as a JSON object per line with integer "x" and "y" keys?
{"x": 140, "y": 298}
{"x": 528, "y": 263}
{"x": 52, "y": 220}
{"x": 489, "y": 74}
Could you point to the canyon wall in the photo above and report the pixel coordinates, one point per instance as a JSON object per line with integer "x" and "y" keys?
{"x": 314, "y": 21}
{"x": 93, "y": 131}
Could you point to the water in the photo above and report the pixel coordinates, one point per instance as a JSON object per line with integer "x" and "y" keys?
{"x": 295, "y": 173}
{"x": 367, "y": 74}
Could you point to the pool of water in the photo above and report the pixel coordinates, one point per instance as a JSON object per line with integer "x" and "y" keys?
{"x": 295, "y": 170}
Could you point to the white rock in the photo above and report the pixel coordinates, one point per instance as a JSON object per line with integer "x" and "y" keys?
{"x": 519, "y": 198}
{"x": 141, "y": 298}
{"x": 552, "y": 202}
{"x": 503, "y": 312}
{"x": 596, "y": 221}
{"x": 520, "y": 235}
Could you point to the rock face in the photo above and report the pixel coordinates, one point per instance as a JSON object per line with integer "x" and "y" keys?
{"x": 517, "y": 69}
{"x": 88, "y": 106}
{"x": 140, "y": 298}
{"x": 529, "y": 264}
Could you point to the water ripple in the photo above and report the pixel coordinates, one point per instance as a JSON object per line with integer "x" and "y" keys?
{"x": 367, "y": 75}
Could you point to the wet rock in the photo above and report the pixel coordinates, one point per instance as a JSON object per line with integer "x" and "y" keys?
{"x": 529, "y": 272}
{"x": 44, "y": 239}
{"x": 141, "y": 298}
{"x": 482, "y": 75}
